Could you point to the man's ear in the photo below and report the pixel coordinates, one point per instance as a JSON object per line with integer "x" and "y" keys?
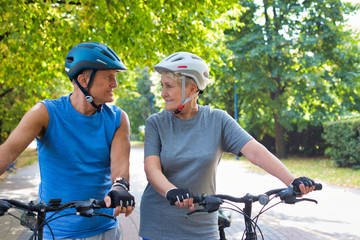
{"x": 82, "y": 80}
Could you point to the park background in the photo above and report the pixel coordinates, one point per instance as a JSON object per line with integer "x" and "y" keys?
{"x": 286, "y": 70}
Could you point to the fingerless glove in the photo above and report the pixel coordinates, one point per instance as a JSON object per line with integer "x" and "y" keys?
{"x": 120, "y": 197}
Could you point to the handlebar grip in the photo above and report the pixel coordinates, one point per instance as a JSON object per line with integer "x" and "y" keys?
{"x": 101, "y": 203}
{"x": 318, "y": 186}
{"x": 198, "y": 198}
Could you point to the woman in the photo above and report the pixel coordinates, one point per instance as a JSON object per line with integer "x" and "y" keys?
{"x": 183, "y": 146}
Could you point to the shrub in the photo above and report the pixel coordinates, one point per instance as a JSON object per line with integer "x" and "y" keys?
{"x": 343, "y": 140}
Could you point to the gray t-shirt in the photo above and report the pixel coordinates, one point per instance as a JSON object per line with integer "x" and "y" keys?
{"x": 189, "y": 150}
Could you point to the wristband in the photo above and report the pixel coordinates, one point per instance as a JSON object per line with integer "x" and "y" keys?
{"x": 169, "y": 191}
{"x": 122, "y": 182}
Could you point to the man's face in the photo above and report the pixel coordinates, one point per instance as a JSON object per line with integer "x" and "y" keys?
{"x": 102, "y": 86}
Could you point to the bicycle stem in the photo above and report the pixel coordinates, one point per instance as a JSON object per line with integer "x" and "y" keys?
{"x": 40, "y": 219}
{"x": 250, "y": 234}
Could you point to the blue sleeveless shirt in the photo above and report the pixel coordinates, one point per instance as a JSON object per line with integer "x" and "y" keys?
{"x": 74, "y": 160}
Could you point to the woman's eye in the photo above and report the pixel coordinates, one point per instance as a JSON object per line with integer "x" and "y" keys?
{"x": 166, "y": 86}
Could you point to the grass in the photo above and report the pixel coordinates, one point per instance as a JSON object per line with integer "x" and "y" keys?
{"x": 321, "y": 169}
{"x": 28, "y": 157}
{"x": 137, "y": 144}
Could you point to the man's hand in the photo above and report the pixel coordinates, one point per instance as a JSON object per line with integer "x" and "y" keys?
{"x": 120, "y": 199}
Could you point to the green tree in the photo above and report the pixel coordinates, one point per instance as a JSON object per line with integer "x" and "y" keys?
{"x": 296, "y": 62}
{"x": 35, "y": 36}
{"x": 137, "y": 102}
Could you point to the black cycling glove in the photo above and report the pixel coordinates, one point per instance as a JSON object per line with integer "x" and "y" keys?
{"x": 178, "y": 195}
{"x": 120, "y": 197}
{"x": 301, "y": 180}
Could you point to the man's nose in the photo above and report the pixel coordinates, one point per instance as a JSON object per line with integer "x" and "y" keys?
{"x": 114, "y": 83}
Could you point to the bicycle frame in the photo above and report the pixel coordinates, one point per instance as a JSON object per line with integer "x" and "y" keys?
{"x": 250, "y": 231}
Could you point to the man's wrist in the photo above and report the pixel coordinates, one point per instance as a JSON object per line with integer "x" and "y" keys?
{"x": 122, "y": 182}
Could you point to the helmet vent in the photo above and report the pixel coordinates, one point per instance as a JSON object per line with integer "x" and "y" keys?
{"x": 87, "y": 46}
{"x": 177, "y": 59}
{"x": 114, "y": 54}
{"x": 69, "y": 59}
{"x": 196, "y": 57}
{"x": 106, "y": 54}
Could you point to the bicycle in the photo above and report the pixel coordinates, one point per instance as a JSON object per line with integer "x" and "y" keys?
{"x": 212, "y": 203}
{"x": 34, "y": 216}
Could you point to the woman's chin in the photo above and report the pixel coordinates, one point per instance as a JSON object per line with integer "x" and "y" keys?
{"x": 170, "y": 108}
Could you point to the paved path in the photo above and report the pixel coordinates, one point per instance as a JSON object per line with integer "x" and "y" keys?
{"x": 335, "y": 217}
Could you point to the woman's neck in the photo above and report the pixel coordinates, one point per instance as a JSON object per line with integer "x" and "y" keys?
{"x": 190, "y": 112}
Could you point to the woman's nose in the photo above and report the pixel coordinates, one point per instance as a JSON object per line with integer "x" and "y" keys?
{"x": 163, "y": 92}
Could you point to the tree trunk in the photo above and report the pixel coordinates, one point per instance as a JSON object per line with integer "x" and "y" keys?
{"x": 279, "y": 139}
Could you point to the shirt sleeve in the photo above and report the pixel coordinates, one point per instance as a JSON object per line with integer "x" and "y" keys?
{"x": 234, "y": 136}
{"x": 152, "y": 143}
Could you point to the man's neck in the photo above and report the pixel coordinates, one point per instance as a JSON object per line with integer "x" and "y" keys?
{"x": 80, "y": 104}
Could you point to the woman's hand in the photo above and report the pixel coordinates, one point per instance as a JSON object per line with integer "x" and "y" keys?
{"x": 180, "y": 197}
{"x": 303, "y": 185}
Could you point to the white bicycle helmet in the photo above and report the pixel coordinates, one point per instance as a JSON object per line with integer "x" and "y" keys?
{"x": 187, "y": 64}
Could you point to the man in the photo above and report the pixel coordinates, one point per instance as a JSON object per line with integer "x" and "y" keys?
{"x": 83, "y": 144}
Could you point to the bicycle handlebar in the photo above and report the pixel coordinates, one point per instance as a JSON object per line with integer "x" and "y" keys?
{"x": 83, "y": 207}
{"x": 211, "y": 203}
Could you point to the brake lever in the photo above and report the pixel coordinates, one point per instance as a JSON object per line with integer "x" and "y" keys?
{"x": 293, "y": 200}
{"x": 195, "y": 211}
{"x": 210, "y": 204}
{"x": 307, "y": 199}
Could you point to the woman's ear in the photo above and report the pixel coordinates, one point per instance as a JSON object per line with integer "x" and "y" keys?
{"x": 193, "y": 88}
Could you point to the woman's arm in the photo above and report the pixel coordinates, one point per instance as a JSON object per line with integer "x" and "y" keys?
{"x": 159, "y": 181}
{"x": 155, "y": 175}
{"x": 260, "y": 156}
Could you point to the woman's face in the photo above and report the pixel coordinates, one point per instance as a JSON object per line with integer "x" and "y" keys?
{"x": 171, "y": 92}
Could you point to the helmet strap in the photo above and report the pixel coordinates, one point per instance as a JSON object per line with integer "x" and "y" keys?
{"x": 91, "y": 78}
{"x": 89, "y": 98}
{"x": 183, "y": 100}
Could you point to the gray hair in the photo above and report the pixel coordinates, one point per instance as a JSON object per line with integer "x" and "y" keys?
{"x": 177, "y": 77}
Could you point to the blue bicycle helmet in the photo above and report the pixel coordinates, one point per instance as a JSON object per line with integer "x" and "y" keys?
{"x": 91, "y": 55}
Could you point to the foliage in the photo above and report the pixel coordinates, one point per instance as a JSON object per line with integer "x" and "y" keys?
{"x": 137, "y": 102}
{"x": 296, "y": 63}
{"x": 308, "y": 142}
{"x": 36, "y": 35}
{"x": 343, "y": 137}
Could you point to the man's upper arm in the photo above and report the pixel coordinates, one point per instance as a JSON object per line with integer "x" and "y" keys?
{"x": 122, "y": 134}
{"x": 32, "y": 125}
{"x": 120, "y": 149}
